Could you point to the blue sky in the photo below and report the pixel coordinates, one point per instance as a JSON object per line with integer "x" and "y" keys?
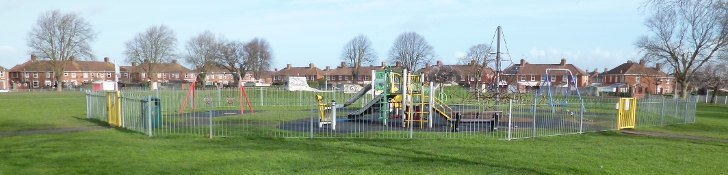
{"x": 591, "y": 34}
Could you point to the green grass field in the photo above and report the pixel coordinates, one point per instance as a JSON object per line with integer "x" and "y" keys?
{"x": 120, "y": 151}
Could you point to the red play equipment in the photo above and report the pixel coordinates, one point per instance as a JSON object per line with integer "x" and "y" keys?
{"x": 242, "y": 93}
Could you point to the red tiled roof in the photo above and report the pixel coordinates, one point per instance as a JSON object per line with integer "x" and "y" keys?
{"x": 540, "y": 69}
{"x": 632, "y": 68}
{"x": 172, "y": 67}
{"x": 44, "y": 65}
{"x": 295, "y": 71}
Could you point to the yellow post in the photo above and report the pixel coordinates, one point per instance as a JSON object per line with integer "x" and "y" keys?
{"x": 627, "y": 113}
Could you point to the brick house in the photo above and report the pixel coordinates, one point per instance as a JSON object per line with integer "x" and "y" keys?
{"x": 4, "y": 85}
{"x": 342, "y": 73}
{"x": 311, "y": 73}
{"x": 638, "y": 79}
{"x": 465, "y": 74}
{"x": 531, "y": 75}
{"x": 597, "y": 78}
{"x": 166, "y": 72}
{"x": 37, "y": 74}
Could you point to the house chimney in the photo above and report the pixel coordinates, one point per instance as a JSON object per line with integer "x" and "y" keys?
{"x": 595, "y": 69}
{"x": 343, "y": 64}
{"x": 439, "y": 62}
{"x": 310, "y": 65}
{"x": 106, "y": 59}
{"x": 642, "y": 62}
{"x": 563, "y": 62}
{"x": 398, "y": 64}
{"x": 33, "y": 57}
{"x": 629, "y": 61}
{"x": 384, "y": 64}
{"x": 658, "y": 66}
{"x": 72, "y": 58}
{"x": 523, "y": 62}
{"x": 427, "y": 65}
{"x": 288, "y": 66}
{"x": 472, "y": 62}
{"x": 174, "y": 61}
{"x": 328, "y": 68}
{"x": 133, "y": 64}
{"x": 146, "y": 60}
{"x": 275, "y": 70}
{"x": 605, "y": 70}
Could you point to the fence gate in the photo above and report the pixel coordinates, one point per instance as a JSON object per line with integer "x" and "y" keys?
{"x": 113, "y": 107}
{"x": 627, "y": 113}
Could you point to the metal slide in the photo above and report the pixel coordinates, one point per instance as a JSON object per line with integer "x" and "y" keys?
{"x": 357, "y": 96}
{"x": 368, "y": 106}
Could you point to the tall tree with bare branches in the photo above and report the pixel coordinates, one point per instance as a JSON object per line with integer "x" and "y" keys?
{"x": 259, "y": 56}
{"x": 685, "y": 34}
{"x": 713, "y": 75}
{"x": 233, "y": 57}
{"x": 150, "y": 48}
{"x": 358, "y": 51}
{"x": 60, "y": 37}
{"x": 203, "y": 52}
{"x": 477, "y": 59}
{"x": 412, "y": 50}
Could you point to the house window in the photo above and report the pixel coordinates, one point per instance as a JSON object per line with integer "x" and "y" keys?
{"x": 159, "y": 75}
{"x": 340, "y": 78}
{"x": 85, "y": 75}
{"x": 472, "y": 78}
{"x": 126, "y": 75}
{"x": 108, "y": 75}
{"x": 523, "y": 78}
{"x": 35, "y": 74}
{"x": 667, "y": 89}
{"x": 553, "y": 78}
{"x": 187, "y": 76}
{"x": 27, "y": 75}
{"x": 165, "y": 75}
{"x": 543, "y": 77}
{"x": 667, "y": 81}
{"x": 144, "y": 75}
{"x": 176, "y": 75}
{"x": 73, "y": 75}
{"x": 2, "y": 74}
{"x": 48, "y": 74}
{"x": 47, "y": 83}
{"x": 533, "y": 77}
{"x": 35, "y": 84}
{"x": 565, "y": 78}
{"x": 637, "y": 79}
{"x": 366, "y": 77}
{"x": 359, "y": 78}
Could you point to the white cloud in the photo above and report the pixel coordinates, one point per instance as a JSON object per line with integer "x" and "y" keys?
{"x": 459, "y": 54}
{"x": 595, "y": 58}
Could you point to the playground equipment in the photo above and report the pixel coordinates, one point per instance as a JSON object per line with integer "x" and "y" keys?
{"x": 547, "y": 82}
{"x": 241, "y": 94}
{"x": 327, "y": 113}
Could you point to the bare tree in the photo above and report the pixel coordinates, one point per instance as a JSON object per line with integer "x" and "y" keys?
{"x": 259, "y": 56}
{"x": 232, "y": 57}
{"x": 60, "y": 37}
{"x": 203, "y": 52}
{"x": 151, "y": 48}
{"x": 685, "y": 34}
{"x": 357, "y": 52}
{"x": 412, "y": 50}
{"x": 477, "y": 59}
{"x": 713, "y": 76}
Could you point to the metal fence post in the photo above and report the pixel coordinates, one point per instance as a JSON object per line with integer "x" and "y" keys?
{"x": 88, "y": 104}
{"x": 685, "y": 112}
{"x": 662, "y": 112}
{"x": 149, "y": 115}
{"x": 581, "y": 118}
{"x": 333, "y": 115}
{"x": 219, "y": 96}
{"x": 725, "y": 99}
{"x": 510, "y": 121}
{"x": 261, "y": 96}
{"x": 311, "y": 116}
{"x": 210, "y": 119}
{"x": 533, "y": 120}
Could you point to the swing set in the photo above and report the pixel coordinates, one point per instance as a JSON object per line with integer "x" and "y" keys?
{"x": 571, "y": 83}
{"x": 241, "y": 94}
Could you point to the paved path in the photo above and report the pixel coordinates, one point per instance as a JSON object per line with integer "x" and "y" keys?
{"x": 662, "y": 134}
{"x": 55, "y": 130}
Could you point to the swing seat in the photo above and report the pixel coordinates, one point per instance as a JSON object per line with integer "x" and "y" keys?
{"x": 560, "y": 104}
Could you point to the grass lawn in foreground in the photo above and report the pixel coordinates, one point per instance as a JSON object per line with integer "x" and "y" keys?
{"x": 711, "y": 121}
{"x": 117, "y": 152}
{"x": 42, "y": 110}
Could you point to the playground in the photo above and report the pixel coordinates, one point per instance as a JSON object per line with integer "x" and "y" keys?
{"x": 397, "y": 104}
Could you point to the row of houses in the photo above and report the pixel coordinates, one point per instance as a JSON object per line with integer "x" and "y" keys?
{"x": 636, "y": 77}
